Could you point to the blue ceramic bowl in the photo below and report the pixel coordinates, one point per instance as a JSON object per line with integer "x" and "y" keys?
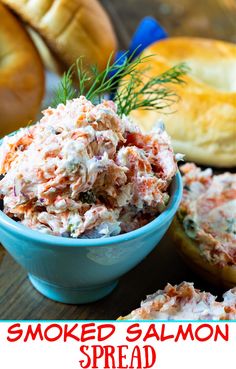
{"x": 78, "y": 271}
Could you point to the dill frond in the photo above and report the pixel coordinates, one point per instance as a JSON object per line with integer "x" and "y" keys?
{"x": 132, "y": 93}
{"x": 65, "y": 90}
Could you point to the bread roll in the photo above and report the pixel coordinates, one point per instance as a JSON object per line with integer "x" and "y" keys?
{"x": 203, "y": 120}
{"x": 70, "y": 28}
{"x": 21, "y": 75}
{"x": 50, "y": 62}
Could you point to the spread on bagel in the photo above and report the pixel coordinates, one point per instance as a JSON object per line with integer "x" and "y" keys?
{"x": 207, "y": 213}
{"x": 184, "y": 302}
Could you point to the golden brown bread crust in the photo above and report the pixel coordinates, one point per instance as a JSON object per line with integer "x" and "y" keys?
{"x": 21, "y": 75}
{"x": 71, "y": 28}
{"x": 203, "y": 123}
{"x": 189, "y": 250}
{"x": 50, "y": 62}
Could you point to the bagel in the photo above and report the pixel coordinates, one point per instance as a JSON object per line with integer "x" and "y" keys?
{"x": 21, "y": 75}
{"x": 50, "y": 62}
{"x": 207, "y": 244}
{"x": 202, "y": 122}
{"x": 70, "y": 28}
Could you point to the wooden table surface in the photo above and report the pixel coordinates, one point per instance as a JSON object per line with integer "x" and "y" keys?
{"x": 18, "y": 299}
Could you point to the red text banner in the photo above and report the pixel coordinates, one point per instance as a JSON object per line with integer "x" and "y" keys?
{"x": 111, "y": 345}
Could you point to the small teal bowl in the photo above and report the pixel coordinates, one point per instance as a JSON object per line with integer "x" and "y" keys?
{"x": 76, "y": 271}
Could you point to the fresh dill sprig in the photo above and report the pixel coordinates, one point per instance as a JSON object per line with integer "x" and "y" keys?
{"x": 65, "y": 91}
{"x": 82, "y": 76}
{"x": 132, "y": 93}
{"x": 106, "y": 81}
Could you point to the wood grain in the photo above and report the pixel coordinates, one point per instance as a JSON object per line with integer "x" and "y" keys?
{"x": 18, "y": 299}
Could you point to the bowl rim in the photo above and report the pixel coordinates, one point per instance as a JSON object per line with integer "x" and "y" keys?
{"x": 24, "y": 232}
